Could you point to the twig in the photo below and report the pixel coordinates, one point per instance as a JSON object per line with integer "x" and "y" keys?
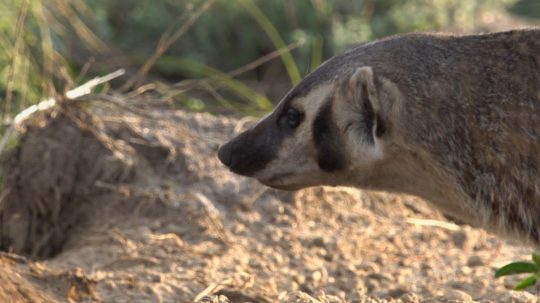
{"x": 433, "y": 223}
{"x": 189, "y": 84}
{"x": 11, "y": 73}
{"x": 265, "y": 58}
{"x": 164, "y": 44}
{"x": 75, "y": 93}
{"x": 86, "y": 66}
{"x": 82, "y": 30}
{"x": 86, "y": 88}
{"x": 214, "y": 217}
{"x": 213, "y": 92}
{"x": 14, "y": 257}
{"x": 213, "y": 288}
{"x": 116, "y": 101}
{"x": 172, "y": 236}
{"x": 303, "y": 296}
{"x": 206, "y": 292}
{"x": 186, "y": 85}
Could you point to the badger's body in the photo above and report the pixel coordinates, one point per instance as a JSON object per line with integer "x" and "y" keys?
{"x": 452, "y": 119}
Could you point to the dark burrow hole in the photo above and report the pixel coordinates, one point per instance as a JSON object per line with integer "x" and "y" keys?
{"x": 47, "y": 180}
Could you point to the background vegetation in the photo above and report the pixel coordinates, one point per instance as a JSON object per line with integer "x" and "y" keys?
{"x": 49, "y": 46}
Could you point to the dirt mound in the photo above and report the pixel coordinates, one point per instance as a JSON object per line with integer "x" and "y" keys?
{"x": 51, "y": 179}
{"x": 17, "y": 288}
{"x": 132, "y": 208}
{"x": 23, "y": 281}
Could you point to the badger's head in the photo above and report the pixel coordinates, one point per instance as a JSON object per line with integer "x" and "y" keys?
{"x": 324, "y": 132}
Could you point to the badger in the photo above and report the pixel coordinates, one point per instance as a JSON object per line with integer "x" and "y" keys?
{"x": 452, "y": 119}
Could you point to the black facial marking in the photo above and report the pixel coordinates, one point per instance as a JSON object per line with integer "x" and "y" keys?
{"x": 253, "y": 149}
{"x": 296, "y": 92}
{"x": 291, "y": 118}
{"x": 328, "y": 140}
{"x": 533, "y": 233}
{"x": 380, "y": 127}
{"x": 368, "y": 115}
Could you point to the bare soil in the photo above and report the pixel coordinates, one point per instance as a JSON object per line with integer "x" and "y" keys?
{"x": 118, "y": 207}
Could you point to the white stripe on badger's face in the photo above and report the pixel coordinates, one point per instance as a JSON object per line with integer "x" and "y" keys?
{"x": 295, "y": 164}
{"x": 335, "y": 141}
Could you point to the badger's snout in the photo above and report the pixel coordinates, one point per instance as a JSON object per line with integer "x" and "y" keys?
{"x": 250, "y": 152}
{"x": 233, "y": 155}
{"x": 225, "y": 154}
{"x": 240, "y": 155}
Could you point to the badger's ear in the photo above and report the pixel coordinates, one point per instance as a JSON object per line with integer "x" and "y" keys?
{"x": 362, "y": 92}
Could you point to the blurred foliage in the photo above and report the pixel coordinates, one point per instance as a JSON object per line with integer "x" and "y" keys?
{"x": 230, "y": 31}
{"x": 526, "y": 8}
{"x": 25, "y": 57}
{"x": 59, "y": 39}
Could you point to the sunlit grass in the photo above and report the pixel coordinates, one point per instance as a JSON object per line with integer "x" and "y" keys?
{"x": 273, "y": 34}
{"x": 43, "y": 62}
{"x": 218, "y": 78}
{"x": 316, "y": 53}
{"x": 30, "y": 68}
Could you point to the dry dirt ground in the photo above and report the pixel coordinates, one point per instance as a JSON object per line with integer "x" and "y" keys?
{"x": 114, "y": 207}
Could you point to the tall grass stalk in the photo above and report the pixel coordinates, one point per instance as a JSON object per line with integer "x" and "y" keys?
{"x": 271, "y": 31}
{"x": 166, "y": 40}
{"x": 19, "y": 31}
{"x": 316, "y": 53}
{"x": 220, "y": 78}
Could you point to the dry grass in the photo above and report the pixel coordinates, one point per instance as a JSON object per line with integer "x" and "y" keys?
{"x": 15, "y": 53}
{"x": 168, "y": 38}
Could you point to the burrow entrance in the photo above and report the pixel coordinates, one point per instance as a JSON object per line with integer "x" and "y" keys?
{"x": 50, "y": 176}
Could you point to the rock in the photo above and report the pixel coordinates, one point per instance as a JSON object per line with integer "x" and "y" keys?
{"x": 214, "y": 299}
{"x": 372, "y": 285}
{"x": 379, "y": 277}
{"x": 451, "y": 296}
{"x": 409, "y": 298}
{"x": 454, "y": 294}
{"x": 462, "y": 239}
{"x": 475, "y": 260}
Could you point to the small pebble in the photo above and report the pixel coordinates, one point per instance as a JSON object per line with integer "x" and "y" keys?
{"x": 455, "y": 294}
{"x": 475, "y": 260}
{"x": 462, "y": 240}
{"x": 409, "y": 298}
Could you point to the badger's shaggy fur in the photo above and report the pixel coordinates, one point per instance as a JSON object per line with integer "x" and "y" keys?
{"x": 452, "y": 119}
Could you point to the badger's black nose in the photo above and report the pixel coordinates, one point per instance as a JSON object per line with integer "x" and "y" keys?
{"x": 225, "y": 154}
{"x": 247, "y": 153}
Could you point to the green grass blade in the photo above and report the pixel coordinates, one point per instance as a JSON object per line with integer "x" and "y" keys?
{"x": 516, "y": 268}
{"x": 536, "y": 259}
{"x": 529, "y": 281}
{"x": 271, "y": 31}
{"x": 316, "y": 53}
{"x": 235, "y": 86}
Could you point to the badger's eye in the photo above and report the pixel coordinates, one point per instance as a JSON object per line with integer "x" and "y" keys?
{"x": 293, "y": 117}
